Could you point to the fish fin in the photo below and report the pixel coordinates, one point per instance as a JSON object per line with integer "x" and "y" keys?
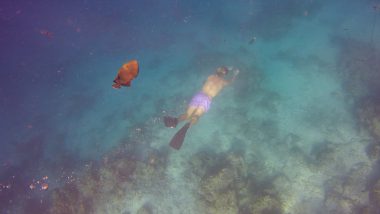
{"x": 179, "y": 137}
{"x": 116, "y": 86}
{"x": 137, "y": 72}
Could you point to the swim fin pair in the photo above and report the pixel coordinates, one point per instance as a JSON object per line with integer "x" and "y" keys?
{"x": 177, "y": 141}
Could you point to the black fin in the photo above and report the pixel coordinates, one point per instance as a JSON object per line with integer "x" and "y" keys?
{"x": 179, "y": 137}
{"x": 170, "y": 122}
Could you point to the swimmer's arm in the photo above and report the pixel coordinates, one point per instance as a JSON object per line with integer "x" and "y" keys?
{"x": 236, "y": 72}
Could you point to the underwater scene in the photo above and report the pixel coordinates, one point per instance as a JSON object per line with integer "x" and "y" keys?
{"x": 186, "y": 106}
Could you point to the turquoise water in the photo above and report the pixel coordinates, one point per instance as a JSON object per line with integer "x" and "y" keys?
{"x": 297, "y": 132}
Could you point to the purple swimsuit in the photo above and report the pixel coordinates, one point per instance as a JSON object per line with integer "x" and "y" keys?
{"x": 201, "y": 100}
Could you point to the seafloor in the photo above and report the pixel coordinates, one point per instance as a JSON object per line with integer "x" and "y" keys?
{"x": 297, "y": 132}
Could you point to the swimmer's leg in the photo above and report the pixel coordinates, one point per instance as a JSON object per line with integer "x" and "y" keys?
{"x": 179, "y": 137}
{"x": 189, "y": 112}
{"x": 196, "y": 115}
{"x": 172, "y": 122}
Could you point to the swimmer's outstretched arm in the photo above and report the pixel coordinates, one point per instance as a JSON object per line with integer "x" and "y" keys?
{"x": 235, "y": 73}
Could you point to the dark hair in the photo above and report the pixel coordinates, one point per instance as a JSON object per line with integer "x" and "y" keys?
{"x": 222, "y": 71}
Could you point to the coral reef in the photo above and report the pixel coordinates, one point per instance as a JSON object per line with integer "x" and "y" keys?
{"x": 70, "y": 200}
{"x": 266, "y": 204}
{"x": 319, "y": 158}
{"x": 321, "y": 154}
{"x": 347, "y": 194}
{"x": 227, "y": 187}
{"x": 217, "y": 186}
{"x": 358, "y": 65}
{"x": 108, "y": 183}
{"x": 373, "y": 150}
{"x": 368, "y": 111}
{"x": 374, "y": 196}
{"x": 368, "y": 116}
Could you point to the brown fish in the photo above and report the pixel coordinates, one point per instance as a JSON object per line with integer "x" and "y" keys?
{"x": 126, "y": 74}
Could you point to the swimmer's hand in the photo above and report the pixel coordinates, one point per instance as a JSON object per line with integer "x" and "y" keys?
{"x": 236, "y": 71}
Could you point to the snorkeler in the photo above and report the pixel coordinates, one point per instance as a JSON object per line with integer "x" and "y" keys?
{"x": 200, "y": 103}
